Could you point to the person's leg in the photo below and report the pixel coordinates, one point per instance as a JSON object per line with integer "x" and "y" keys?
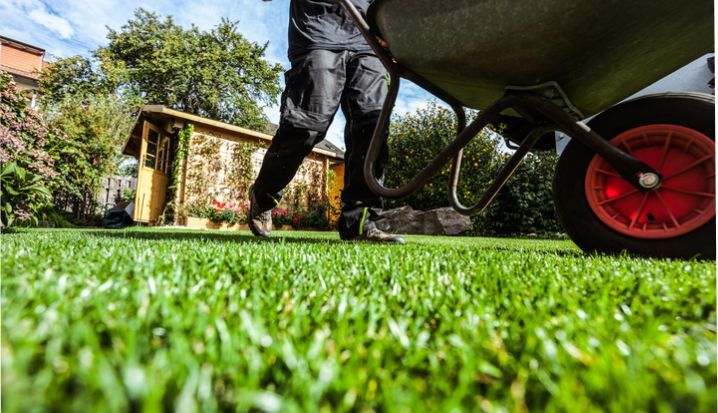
{"x": 362, "y": 100}
{"x": 311, "y": 97}
{"x": 288, "y": 149}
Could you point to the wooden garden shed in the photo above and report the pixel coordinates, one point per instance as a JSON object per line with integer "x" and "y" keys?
{"x": 185, "y": 161}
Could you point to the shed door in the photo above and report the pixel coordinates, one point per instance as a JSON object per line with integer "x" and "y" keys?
{"x": 152, "y": 174}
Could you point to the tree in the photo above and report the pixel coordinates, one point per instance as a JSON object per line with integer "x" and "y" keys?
{"x": 98, "y": 127}
{"x": 216, "y": 74}
{"x": 525, "y": 205}
{"x": 84, "y": 98}
{"x": 72, "y": 78}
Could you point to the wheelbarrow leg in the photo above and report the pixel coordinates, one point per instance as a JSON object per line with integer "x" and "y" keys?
{"x": 436, "y": 164}
{"x": 499, "y": 181}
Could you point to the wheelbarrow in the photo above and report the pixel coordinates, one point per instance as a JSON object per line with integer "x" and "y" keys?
{"x": 639, "y": 176}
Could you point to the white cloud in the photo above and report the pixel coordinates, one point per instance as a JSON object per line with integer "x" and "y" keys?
{"x": 18, "y": 24}
{"x": 52, "y": 22}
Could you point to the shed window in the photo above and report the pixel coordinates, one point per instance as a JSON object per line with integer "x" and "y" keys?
{"x": 151, "y": 155}
{"x": 163, "y": 156}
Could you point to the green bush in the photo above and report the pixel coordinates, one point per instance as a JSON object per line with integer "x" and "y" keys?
{"x": 281, "y": 217}
{"x": 95, "y": 130}
{"x": 23, "y": 194}
{"x": 524, "y": 205}
{"x": 220, "y": 211}
{"x": 417, "y": 137}
{"x": 316, "y": 218}
{"x": 69, "y": 150}
{"x": 26, "y": 145}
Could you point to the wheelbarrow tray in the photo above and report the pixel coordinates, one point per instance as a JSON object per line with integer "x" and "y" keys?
{"x": 598, "y": 52}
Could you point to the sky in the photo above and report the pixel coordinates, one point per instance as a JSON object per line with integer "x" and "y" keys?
{"x": 70, "y": 27}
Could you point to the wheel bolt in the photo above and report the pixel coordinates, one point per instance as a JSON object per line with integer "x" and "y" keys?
{"x": 649, "y": 180}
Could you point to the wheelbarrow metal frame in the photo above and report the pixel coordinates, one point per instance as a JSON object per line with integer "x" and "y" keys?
{"x": 626, "y": 165}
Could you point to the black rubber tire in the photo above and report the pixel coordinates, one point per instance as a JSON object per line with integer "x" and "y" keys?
{"x": 692, "y": 110}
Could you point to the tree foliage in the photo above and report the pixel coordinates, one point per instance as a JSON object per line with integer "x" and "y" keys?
{"x": 98, "y": 127}
{"x": 217, "y": 74}
{"x": 73, "y": 78}
{"x": 524, "y": 205}
{"x": 417, "y": 137}
{"x": 57, "y": 158}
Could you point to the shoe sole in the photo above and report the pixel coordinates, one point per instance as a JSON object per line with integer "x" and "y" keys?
{"x": 255, "y": 231}
{"x": 250, "y": 224}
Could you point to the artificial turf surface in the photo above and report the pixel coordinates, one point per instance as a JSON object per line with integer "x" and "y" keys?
{"x": 163, "y": 320}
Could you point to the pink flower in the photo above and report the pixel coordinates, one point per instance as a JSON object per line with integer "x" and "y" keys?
{"x": 22, "y": 214}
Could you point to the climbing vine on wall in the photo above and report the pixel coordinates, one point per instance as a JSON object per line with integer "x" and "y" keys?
{"x": 306, "y": 189}
{"x": 173, "y": 206}
{"x": 222, "y": 170}
{"x": 203, "y": 169}
{"x": 239, "y": 172}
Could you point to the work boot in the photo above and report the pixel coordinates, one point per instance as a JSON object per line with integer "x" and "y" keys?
{"x": 376, "y": 235}
{"x": 259, "y": 222}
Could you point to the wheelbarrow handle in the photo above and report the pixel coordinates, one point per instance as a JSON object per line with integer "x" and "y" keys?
{"x": 380, "y": 135}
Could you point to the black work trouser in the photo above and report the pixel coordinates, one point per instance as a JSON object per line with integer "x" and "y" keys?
{"x": 318, "y": 83}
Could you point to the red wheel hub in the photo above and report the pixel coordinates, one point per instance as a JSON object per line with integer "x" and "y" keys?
{"x": 683, "y": 202}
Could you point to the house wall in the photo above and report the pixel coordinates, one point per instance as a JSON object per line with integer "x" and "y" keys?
{"x": 23, "y": 63}
{"x": 224, "y": 165}
{"x": 18, "y": 61}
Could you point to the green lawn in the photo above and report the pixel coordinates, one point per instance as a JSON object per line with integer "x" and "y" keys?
{"x": 160, "y": 320}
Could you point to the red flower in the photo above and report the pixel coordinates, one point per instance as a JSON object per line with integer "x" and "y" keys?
{"x": 295, "y": 220}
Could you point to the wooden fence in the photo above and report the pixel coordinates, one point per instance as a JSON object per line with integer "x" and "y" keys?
{"x": 113, "y": 190}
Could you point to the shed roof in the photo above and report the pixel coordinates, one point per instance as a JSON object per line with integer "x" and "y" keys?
{"x": 161, "y": 112}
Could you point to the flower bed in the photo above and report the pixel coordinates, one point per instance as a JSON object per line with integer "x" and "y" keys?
{"x": 219, "y": 214}
{"x": 195, "y": 222}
